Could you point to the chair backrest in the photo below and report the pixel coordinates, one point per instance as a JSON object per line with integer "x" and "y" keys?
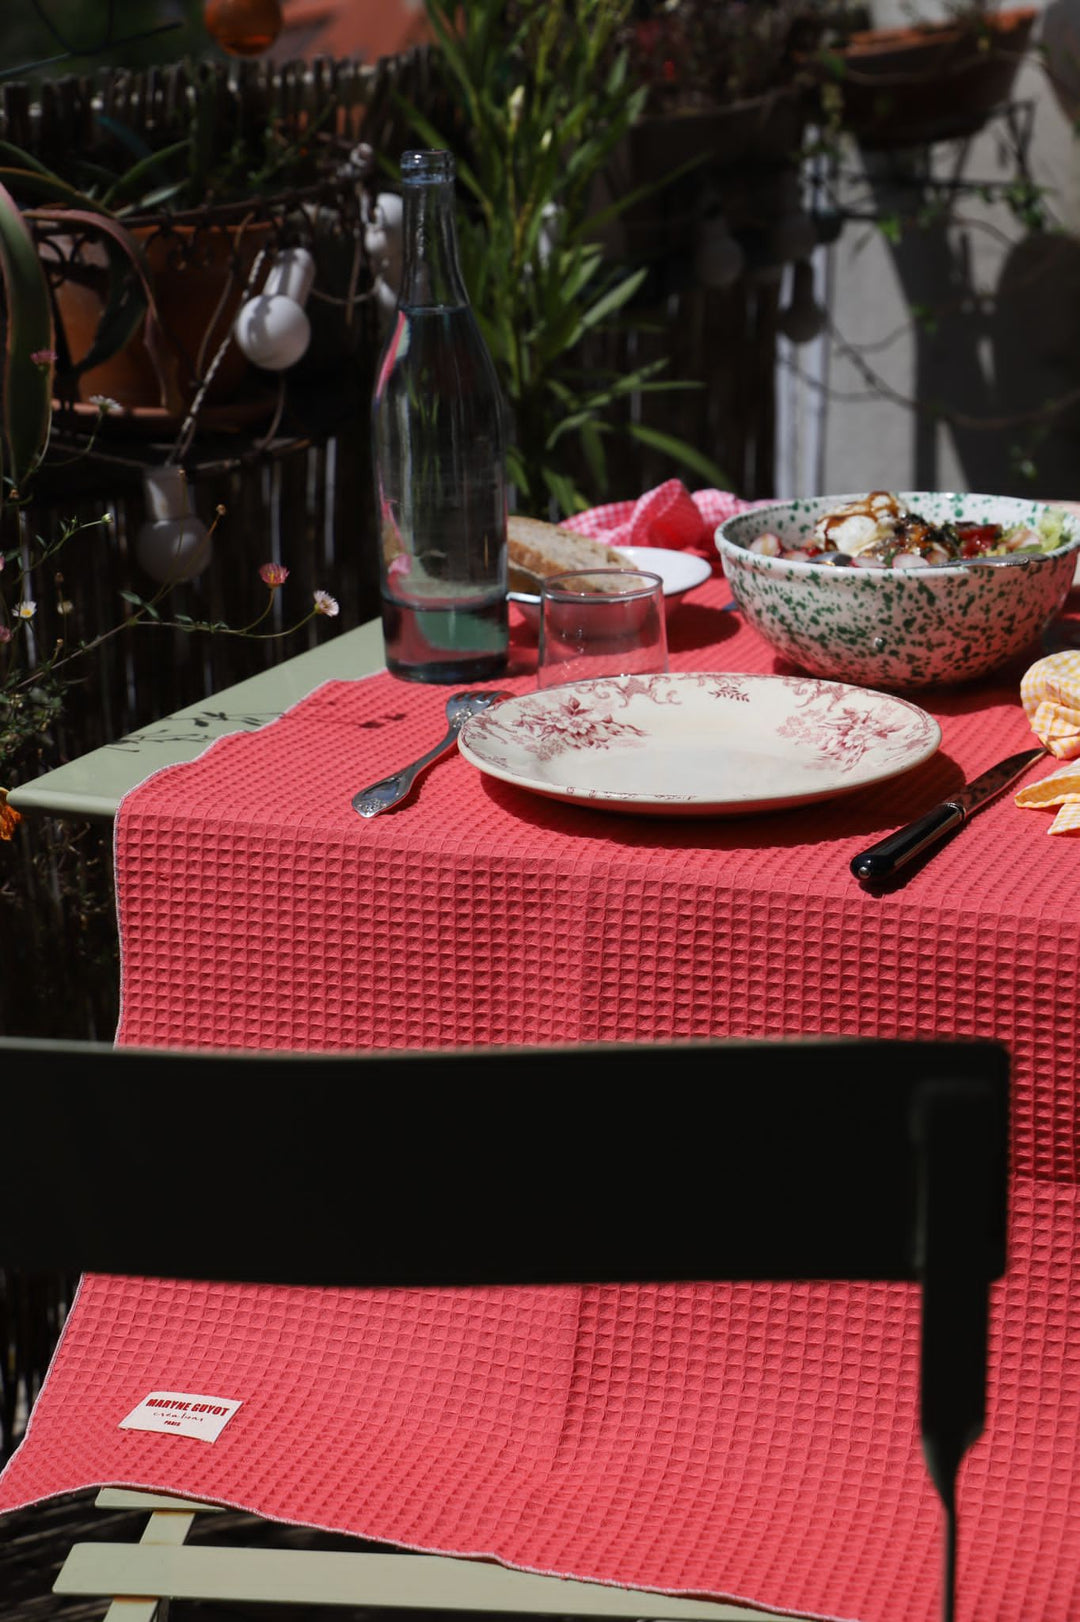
{"x": 818, "y": 1159}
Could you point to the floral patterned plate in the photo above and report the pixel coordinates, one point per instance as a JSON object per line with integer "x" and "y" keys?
{"x": 699, "y": 744}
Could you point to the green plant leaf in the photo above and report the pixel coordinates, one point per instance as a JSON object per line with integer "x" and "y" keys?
{"x": 124, "y": 134}
{"x": 608, "y": 304}
{"x": 580, "y": 274}
{"x": 516, "y": 471}
{"x": 27, "y": 389}
{"x": 593, "y": 446}
{"x": 35, "y": 187}
{"x": 680, "y": 451}
{"x": 568, "y": 425}
{"x": 155, "y": 164}
{"x": 25, "y": 160}
{"x": 123, "y": 314}
{"x": 153, "y": 199}
{"x": 564, "y": 491}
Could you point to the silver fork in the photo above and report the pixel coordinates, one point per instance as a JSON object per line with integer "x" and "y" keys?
{"x": 390, "y": 791}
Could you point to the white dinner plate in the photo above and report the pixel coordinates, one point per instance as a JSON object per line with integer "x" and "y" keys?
{"x": 699, "y": 744}
{"x": 679, "y": 571}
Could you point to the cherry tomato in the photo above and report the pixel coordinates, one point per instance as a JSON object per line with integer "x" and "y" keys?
{"x": 976, "y": 538}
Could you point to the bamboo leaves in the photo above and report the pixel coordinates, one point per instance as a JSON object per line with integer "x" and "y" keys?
{"x": 543, "y": 101}
{"x": 682, "y": 452}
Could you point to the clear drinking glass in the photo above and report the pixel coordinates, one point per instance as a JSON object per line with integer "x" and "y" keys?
{"x": 601, "y": 622}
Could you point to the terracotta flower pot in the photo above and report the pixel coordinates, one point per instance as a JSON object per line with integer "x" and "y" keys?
{"x": 759, "y": 129}
{"x": 909, "y": 86}
{"x": 198, "y": 276}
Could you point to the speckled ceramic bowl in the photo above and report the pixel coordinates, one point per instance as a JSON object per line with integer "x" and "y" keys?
{"x": 897, "y": 628}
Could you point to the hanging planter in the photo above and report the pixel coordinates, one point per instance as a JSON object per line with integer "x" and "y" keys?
{"x": 158, "y": 202}
{"x": 932, "y": 82}
{"x": 723, "y": 152}
{"x": 726, "y": 104}
{"x": 196, "y": 274}
{"x": 761, "y": 129}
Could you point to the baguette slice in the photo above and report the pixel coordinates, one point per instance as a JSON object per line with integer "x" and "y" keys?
{"x": 537, "y": 550}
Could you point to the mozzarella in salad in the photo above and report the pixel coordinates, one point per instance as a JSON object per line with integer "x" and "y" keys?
{"x": 879, "y": 532}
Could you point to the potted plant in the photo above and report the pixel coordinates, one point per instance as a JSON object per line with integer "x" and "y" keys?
{"x": 544, "y": 97}
{"x": 725, "y": 77}
{"x": 725, "y": 111}
{"x": 929, "y": 81}
{"x": 155, "y": 222}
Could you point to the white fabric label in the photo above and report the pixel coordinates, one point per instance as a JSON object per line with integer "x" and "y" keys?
{"x": 180, "y": 1413}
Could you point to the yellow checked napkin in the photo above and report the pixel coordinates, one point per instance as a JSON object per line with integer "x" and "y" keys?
{"x": 1050, "y": 694}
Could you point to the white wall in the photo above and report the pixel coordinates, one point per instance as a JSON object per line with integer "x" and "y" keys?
{"x": 987, "y": 364}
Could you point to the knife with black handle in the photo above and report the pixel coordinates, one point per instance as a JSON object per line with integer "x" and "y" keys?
{"x": 882, "y": 860}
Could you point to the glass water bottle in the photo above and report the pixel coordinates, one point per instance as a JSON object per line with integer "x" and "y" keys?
{"x": 440, "y": 456}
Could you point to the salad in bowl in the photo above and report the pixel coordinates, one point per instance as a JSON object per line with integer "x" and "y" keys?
{"x": 901, "y": 590}
{"x": 880, "y": 531}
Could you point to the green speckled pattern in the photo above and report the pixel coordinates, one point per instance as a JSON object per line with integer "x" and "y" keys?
{"x": 899, "y": 628}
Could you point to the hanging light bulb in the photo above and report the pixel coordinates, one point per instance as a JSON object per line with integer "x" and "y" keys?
{"x": 243, "y": 27}
{"x": 173, "y": 544}
{"x": 272, "y": 329}
{"x": 384, "y": 246}
{"x": 719, "y": 260}
{"x": 804, "y": 319}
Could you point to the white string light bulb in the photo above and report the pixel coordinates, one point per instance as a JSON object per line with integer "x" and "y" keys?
{"x": 273, "y": 329}
{"x": 173, "y": 544}
{"x": 804, "y": 319}
{"x": 719, "y": 260}
{"x": 384, "y": 245}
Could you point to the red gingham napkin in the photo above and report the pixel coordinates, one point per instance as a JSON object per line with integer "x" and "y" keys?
{"x": 667, "y": 516}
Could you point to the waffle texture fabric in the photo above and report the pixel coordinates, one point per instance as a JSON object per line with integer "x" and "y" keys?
{"x": 743, "y": 1441}
{"x": 750, "y": 1442}
{"x": 257, "y": 910}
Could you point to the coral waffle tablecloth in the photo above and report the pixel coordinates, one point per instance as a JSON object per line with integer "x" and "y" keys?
{"x": 756, "y": 1442}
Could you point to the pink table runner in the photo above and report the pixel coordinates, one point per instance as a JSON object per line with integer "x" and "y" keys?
{"x": 755, "y": 1442}
{"x": 740, "y": 1441}
{"x": 257, "y": 910}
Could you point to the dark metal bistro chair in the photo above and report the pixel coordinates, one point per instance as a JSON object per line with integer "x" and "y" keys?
{"x": 891, "y": 1155}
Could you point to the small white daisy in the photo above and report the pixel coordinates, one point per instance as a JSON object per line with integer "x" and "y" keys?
{"x": 26, "y": 609}
{"x": 325, "y": 604}
{"x": 106, "y": 405}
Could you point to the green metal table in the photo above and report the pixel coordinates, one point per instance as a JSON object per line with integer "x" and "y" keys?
{"x": 95, "y": 783}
